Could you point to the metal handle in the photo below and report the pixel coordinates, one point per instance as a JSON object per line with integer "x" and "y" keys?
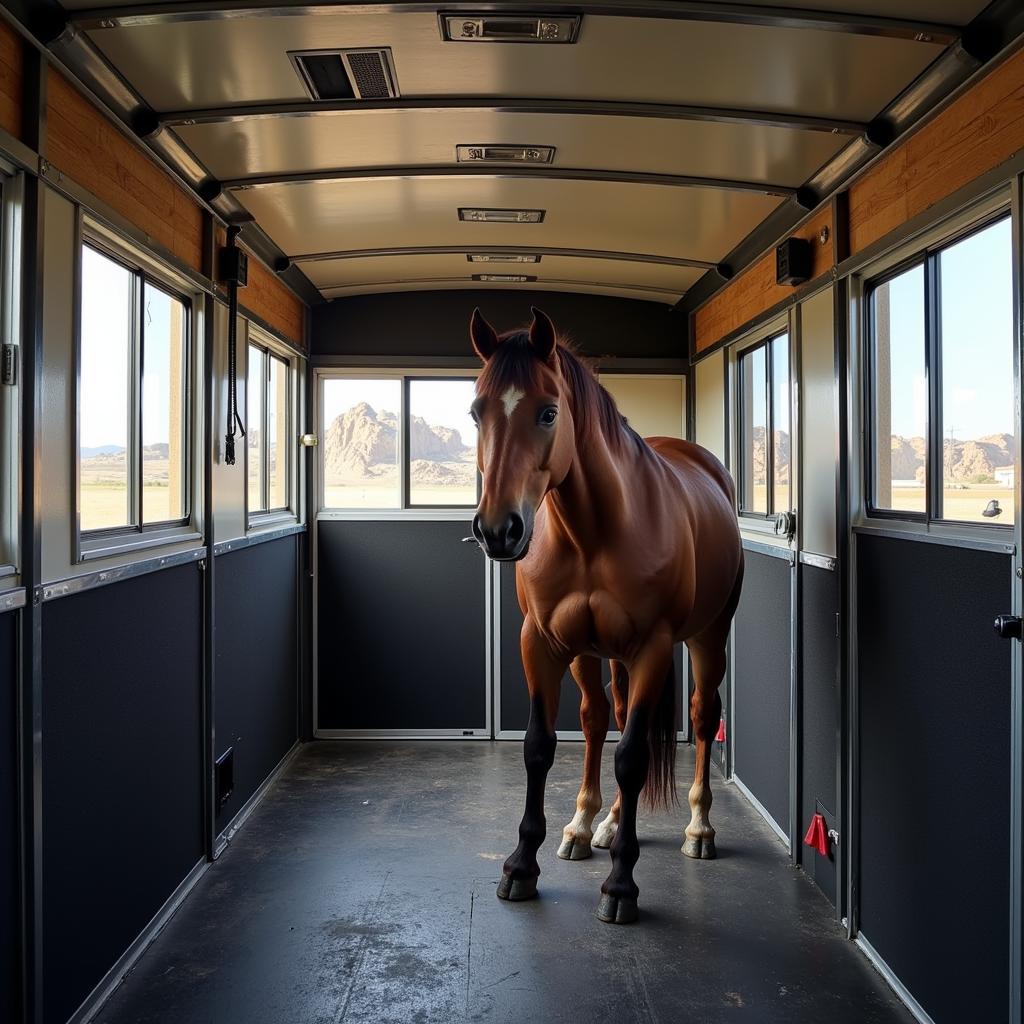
{"x": 1008, "y": 627}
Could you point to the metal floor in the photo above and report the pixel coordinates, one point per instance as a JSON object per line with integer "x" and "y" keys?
{"x": 362, "y": 889}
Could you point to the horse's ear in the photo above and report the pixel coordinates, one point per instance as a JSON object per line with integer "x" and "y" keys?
{"x": 485, "y": 340}
{"x": 542, "y": 334}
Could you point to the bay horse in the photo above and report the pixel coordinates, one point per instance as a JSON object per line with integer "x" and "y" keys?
{"x": 623, "y": 547}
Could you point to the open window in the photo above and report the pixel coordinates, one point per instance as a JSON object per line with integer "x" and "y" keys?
{"x": 134, "y": 403}
{"x": 763, "y": 433}
{"x": 940, "y": 383}
{"x": 271, "y": 431}
{"x": 397, "y": 441}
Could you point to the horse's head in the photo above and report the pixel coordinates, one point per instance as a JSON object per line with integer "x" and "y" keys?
{"x": 526, "y": 438}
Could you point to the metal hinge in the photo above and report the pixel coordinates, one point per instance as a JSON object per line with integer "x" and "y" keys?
{"x": 9, "y": 365}
{"x": 309, "y": 440}
{"x": 837, "y": 625}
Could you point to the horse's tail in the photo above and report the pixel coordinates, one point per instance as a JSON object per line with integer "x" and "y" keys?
{"x": 660, "y": 790}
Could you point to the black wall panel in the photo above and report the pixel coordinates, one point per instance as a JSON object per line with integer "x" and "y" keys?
{"x": 122, "y": 786}
{"x": 819, "y": 713}
{"x": 400, "y": 626}
{"x": 257, "y": 669}
{"x": 9, "y": 919}
{"x": 934, "y": 687}
{"x": 437, "y": 323}
{"x": 760, "y": 718}
{"x": 515, "y": 698}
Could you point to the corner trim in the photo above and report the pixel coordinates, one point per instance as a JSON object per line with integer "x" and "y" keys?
{"x": 901, "y": 990}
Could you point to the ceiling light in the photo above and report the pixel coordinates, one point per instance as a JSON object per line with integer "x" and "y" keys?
{"x": 504, "y": 278}
{"x": 502, "y": 257}
{"x": 509, "y": 28}
{"x": 504, "y": 154}
{"x": 490, "y": 216}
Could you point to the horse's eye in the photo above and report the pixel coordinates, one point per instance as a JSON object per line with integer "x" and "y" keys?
{"x": 473, "y": 416}
{"x": 548, "y": 416}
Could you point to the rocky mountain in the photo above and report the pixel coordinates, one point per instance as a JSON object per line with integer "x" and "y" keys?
{"x": 963, "y": 461}
{"x": 363, "y": 442}
{"x": 781, "y": 455}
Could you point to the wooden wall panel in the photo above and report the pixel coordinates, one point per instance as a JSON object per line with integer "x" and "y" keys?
{"x": 754, "y": 291}
{"x": 269, "y": 299}
{"x": 977, "y": 132}
{"x": 86, "y": 147}
{"x": 12, "y": 63}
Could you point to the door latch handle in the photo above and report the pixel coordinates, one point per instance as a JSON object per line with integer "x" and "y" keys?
{"x": 1008, "y": 627}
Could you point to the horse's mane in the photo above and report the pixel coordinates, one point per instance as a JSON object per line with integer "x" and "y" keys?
{"x": 515, "y": 364}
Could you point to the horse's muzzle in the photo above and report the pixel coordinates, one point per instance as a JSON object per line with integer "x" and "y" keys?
{"x": 507, "y": 542}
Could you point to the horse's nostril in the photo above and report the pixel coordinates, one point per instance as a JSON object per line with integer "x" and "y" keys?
{"x": 477, "y": 529}
{"x": 516, "y": 528}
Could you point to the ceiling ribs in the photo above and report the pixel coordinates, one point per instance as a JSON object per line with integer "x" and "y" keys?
{"x": 534, "y": 280}
{"x": 511, "y": 250}
{"x": 673, "y": 10}
{"x": 499, "y": 105}
{"x": 440, "y": 171}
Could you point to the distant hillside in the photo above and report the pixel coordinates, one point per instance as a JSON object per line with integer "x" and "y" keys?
{"x": 363, "y": 443}
{"x": 963, "y": 461}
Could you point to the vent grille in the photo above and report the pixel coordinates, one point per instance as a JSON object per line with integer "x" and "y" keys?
{"x": 492, "y": 216}
{"x": 505, "y": 154}
{"x": 363, "y": 73}
{"x": 502, "y": 257}
{"x": 504, "y": 278}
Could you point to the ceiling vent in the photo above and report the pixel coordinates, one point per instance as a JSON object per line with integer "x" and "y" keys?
{"x": 509, "y": 28}
{"x": 503, "y": 257}
{"x": 504, "y": 278}
{"x": 351, "y": 74}
{"x": 487, "y": 216}
{"x": 505, "y": 154}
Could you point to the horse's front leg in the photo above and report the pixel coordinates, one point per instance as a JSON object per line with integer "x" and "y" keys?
{"x": 544, "y": 671}
{"x": 594, "y": 714}
{"x": 648, "y": 676}
{"x": 606, "y": 830}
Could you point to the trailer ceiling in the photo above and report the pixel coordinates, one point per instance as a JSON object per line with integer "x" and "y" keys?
{"x": 677, "y": 128}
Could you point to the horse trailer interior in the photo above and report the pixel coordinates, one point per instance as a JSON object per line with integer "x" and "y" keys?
{"x": 332, "y": 333}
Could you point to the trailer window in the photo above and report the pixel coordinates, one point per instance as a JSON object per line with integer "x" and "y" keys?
{"x": 268, "y": 432}
{"x": 940, "y": 388}
{"x": 763, "y": 372}
{"x": 133, "y": 400}
{"x": 442, "y": 443}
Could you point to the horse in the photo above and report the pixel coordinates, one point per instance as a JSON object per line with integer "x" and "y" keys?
{"x": 623, "y": 547}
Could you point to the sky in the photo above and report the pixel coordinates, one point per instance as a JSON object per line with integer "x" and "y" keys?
{"x": 977, "y": 335}
{"x": 106, "y": 319}
{"x": 440, "y": 402}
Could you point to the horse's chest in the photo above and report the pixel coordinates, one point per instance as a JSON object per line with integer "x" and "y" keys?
{"x": 592, "y": 622}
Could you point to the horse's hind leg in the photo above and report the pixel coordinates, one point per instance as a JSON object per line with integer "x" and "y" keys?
{"x": 708, "y": 659}
{"x": 594, "y": 711}
{"x": 606, "y": 830}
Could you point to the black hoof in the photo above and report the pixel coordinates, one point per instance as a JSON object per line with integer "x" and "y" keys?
{"x": 516, "y": 889}
{"x": 700, "y": 849}
{"x": 617, "y": 909}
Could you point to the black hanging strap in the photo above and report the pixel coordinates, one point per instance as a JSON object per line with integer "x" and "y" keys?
{"x": 233, "y": 417}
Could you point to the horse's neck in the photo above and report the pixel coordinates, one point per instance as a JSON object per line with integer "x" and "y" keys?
{"x": 592, "y": 500}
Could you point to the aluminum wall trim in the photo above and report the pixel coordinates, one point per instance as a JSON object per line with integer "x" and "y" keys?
{"x": 760, "y": 808}
{"x": 902, "y": 992}
{"x": 674, "y": 10}
{"x": 796, "y": 482}
{"x": 257, "y": 537}
{"x": 11, "y": 600}
{"x": 232, "y": 828}
{"x": 544, "y": 173}
{"x": 772, "y": 550}
{"x": 403, "y": 734}
{"x": 112, "y": 979}
{"x": 818, "y": 561}
{"x": 104, "y": 577}
{"x": 500, "y": 105}
{"x": 980, "y": 543}
{"x": 512, "y": 250}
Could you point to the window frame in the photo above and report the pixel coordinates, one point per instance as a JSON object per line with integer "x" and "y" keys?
{"x": 926, "y": 254}
{"x": 107, "y": 541}
{"x": 257, "y": 519}
{"x": 405, "y": 509}
{"x": 10, "y": 396}
{"x": 765, "y": 341}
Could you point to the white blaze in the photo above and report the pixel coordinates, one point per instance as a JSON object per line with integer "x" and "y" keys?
{"x": 511, "y": 399}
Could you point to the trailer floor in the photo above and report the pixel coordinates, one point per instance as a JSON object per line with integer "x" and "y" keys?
{"x": 362, "y": 888}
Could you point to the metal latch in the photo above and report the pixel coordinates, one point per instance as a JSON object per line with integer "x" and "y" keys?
{"x": 309, "y": 440}
{"x": 9, "y": 365}
{"x": 833, "y": 836}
